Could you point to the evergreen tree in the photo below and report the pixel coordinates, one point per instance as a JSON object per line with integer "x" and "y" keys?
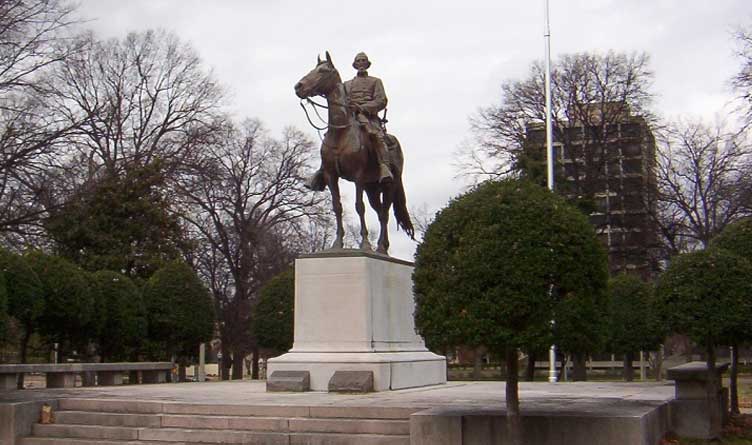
{"x": 68, "y": 304}
{"x": 180, "y": 312}
{"x": 736, "y": 238}
{"x": 25, "y": 296}
{"x": 632, "y": 322}
{"x": 705, "y": 295}
{"x": 498, "y": 264}
{"x": 273, "y": 318}
{"x": 121, "y": 223}
{"x": 120, "y": 316}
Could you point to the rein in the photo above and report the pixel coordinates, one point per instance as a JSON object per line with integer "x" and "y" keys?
{"x": 315, "y": 107}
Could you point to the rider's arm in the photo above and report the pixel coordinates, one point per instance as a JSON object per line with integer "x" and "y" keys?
{"x": 379, "y": 100}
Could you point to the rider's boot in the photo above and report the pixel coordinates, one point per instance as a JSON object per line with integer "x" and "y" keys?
{"x": 316, "y": 182}
{"x": 385, "y": 175}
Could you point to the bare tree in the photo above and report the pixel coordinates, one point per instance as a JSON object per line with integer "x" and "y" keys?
{"x": 591, "y": 93}
{"x": 742, "y": 81}
{"x": 142, "y": 98}
{"x": 704, "y": 181}
{"x": 422, "y": 218}
{"x": 32, "y": 33}
{"x": 245, "y": 203}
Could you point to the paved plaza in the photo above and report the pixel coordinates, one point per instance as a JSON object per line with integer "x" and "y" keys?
{"x": 580, "y": 397}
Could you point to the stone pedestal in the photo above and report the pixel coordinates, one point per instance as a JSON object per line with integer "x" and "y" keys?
{"x": 690, "y": 411}
{"x": 354, "y": 312}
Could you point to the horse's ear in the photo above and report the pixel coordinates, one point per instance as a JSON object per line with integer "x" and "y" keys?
{"x": 328, "y": 57}
{"x": 318, "y": 59}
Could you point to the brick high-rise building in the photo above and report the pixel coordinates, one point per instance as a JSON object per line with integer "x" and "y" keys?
{"x": 613, "y": 167}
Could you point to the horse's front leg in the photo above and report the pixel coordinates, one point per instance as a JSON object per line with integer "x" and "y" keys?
{"x": 333, "y": 184}
{"x": 365, "y": 244}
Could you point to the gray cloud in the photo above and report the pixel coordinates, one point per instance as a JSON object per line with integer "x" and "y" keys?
{"x": 440, "y": 60}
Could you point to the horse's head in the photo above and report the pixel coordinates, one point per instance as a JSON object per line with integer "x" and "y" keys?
{"x": 320, "y": 81}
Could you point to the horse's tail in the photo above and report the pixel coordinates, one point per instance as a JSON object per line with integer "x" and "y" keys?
{"x": 400, "y": 210}
{"x": 399, "y": 201}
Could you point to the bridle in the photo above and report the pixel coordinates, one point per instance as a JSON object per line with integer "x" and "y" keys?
{"x": 315, "y": 107}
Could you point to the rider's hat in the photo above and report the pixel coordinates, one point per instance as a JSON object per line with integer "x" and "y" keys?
{"x": 361, "y": 54}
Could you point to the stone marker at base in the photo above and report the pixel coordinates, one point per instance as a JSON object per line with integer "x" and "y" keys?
{"x": 351, "y": 381}
{"x": 292, "y": 381}
{"x": 354, "y": 312}
{"x": 690, "y": 411}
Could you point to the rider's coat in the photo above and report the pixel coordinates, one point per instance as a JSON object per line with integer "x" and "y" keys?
{"x": 368, "y": 92}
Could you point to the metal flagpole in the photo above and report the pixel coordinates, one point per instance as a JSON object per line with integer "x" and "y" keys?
{"x": 550, "y": 161}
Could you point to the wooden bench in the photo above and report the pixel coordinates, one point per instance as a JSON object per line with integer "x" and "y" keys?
{"x": 63, "y": 375}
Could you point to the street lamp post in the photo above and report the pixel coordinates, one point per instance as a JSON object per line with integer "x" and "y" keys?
{"x": 549, "y": 160}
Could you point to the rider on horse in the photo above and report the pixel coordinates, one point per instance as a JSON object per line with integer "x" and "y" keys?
{"x": 366, "y": 97}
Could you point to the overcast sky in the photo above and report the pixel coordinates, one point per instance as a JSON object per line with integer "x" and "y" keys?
{"x": 439, "y": 60}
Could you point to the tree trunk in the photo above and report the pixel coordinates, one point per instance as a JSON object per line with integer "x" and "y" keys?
{"x": 733, "y": 374}
{"x": 514, "y": 421}
{"x": 579, "y": 368}
{"x": 237, "y": 364}
{"x": 25, "y": 338}
{"x": 255, "y": 364}
{"x": 445, "y": 352}
{"x": 659, "y": 364}
{"x": 182, "y": 377}
{"x": 563, "y": 366}
{"x": 224, "y": 363}
{"x": 530, "y": 369}
{"x": 714, "y": 409}
{"x": 477, "y": 362}
{"x": 629, "y": 367}
{"x": 88, "y": 378}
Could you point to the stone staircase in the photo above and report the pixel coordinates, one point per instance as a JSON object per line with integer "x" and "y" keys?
{"x": 122, "y": 422}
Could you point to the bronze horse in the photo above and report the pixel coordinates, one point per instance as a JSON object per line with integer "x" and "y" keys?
{"x": 346, "y": 153}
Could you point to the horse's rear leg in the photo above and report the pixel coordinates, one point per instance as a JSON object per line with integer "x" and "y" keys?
{"x": 382, "y": 210}
{"x": 361, "y": 209}
{"x": 337, "y": 206}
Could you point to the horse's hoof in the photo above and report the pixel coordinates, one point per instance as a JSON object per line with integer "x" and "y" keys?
{"x": 337, "y": 245}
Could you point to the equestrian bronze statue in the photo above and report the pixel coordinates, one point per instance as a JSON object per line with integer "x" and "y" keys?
{"x": 356, "y": 148}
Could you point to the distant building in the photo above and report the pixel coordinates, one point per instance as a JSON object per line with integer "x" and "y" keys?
{"x": 614, "y": 165}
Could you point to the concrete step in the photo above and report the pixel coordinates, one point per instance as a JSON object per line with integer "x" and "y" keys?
{"x": 142, "y": 407}
{"x": 295, "y": 424}
{"x": 345, "y": 439}
{"x": 110, "y": 406}
{"x": 108, "y": 419}
{"x": 67, "y": 441}
{"x": 132, "y": 422}
{"x": 274, "y": 424}
{"x": 188, "y": 436}
{"x": 292, "y": 439}
{"x": 350, "y": 426}
{"x": 212, "y": 436}
{"x": 85, "y": 431}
